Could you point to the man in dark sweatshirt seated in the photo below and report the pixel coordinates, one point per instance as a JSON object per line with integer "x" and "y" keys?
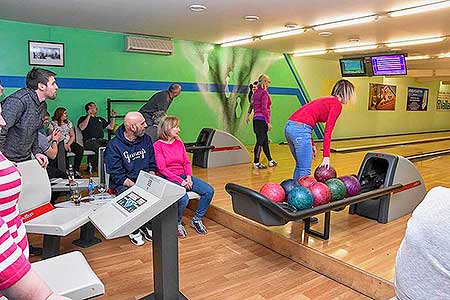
{"x": 129, "y": 152}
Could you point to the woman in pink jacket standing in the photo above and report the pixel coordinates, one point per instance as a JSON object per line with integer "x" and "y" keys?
{"x": 261, "y": 122}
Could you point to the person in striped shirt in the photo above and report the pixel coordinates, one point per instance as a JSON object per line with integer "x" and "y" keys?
{"x": 17, "y": 280}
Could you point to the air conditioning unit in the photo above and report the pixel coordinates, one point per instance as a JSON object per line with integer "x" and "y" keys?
{"x": 149, "y": 45}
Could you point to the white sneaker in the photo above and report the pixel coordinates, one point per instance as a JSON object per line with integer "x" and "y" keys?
{"x": 272, "y": 163}
{"x": 259, "y": 166}
{"x": 136, "y": 239}
{"x": 182, "y": 233}
{"x": 147, "y": 233}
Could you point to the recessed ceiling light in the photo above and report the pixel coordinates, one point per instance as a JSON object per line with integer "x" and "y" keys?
{"x": 310, "y": 52}
{"x": 197, "y": 7}
{"x": 251, "y": 18}
{"x": 291, "y": 25}
{"x": 418, "y": 57}
{"x": 325, "y": 33}
{"x": 444, "y": 55}
{"x": 414, "y": 42}
{"x": 348, "y": 22}
{"x": 354, "y": 39}
{"x": 396, "y": 49}
{"x": 356, "y": 48}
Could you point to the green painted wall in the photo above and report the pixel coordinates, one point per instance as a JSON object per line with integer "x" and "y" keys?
{"x": 100, "y": 55}
{"x": 319, "y": 75}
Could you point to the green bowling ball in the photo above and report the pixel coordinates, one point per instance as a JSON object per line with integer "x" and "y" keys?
{"x": 337, "y": 188}
{"x": 300, "y": 198}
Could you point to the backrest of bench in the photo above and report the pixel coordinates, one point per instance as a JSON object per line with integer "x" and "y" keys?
{"x": 36, "y": 189}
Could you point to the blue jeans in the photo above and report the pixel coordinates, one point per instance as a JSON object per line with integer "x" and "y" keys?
{"x": 298, "y": 136}
{"x": 206, "y": 193}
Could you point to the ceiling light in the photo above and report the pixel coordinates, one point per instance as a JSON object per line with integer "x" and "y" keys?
{"x": 356, "y": 48}
{"x": 310, "y": 52}
{"x": 197, "y": 7}
{"x": 238, "y": 42}
{"x": 291, "y": 25}
{"x": 417, "y": 57}
{"x": 325, "y": 33}
{"x": 346, "y": 22}
{"x": 414, "y": 42}
{"x": 419, "y": 9}
{"x": 444, "y": 55}
{"x": 281, "y": 34}
{"x": 251, "y": 18}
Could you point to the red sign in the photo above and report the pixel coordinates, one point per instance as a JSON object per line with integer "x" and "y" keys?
{"x": 38, "y": 211}
{"x": 408, "y": 186}
{"x": 229, "y": 148}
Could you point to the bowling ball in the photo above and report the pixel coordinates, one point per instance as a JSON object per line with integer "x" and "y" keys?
{"x": 288, "y": 185}
{"x": 273, "y": 191}
{"x": 321, "y": 193}
{"x": 337, "y": 189}
{"x": 322, "y": 174}
{"x": 306, "y": 181}
{"x": 300, "y": 198}
{"x": 352, "y": 185}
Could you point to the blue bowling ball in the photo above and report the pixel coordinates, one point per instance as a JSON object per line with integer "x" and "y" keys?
{"x": 300, "y": 198}
{"x": 288, "y": 185}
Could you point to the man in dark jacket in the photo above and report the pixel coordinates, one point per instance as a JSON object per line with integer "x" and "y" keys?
{"x": 129, "y": 152}
{"x": 23, "y": 112}
{"x": 156, "y": 107}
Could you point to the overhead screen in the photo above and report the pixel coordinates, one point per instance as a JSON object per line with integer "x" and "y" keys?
{"x": 389, "y": 65}
{"x": 352, "y": 67}
{"x": 380, "y": 65}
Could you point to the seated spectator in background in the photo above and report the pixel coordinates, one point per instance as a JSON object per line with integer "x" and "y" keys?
{"x": 92, "y": 128}
{"x": 50, "y": 149}
{"x": 44, "y": 129}
{"x": 173, "y": 163}
{"x": 17, "y": 279}
{"x": 422, "y": 269}
{"x": 61, "y": 122}
{"x": 129, "y": 152}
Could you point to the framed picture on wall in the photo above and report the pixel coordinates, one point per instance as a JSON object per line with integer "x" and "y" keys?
{"x": 45, "y": 54}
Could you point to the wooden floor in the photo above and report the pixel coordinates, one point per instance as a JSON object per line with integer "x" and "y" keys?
{"x": 358, "y": 241}
{"x": 222, "y": 265}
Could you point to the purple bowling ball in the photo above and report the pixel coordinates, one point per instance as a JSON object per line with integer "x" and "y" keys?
{"x": 322, "y": 174}
{"x": 352, "y": 184}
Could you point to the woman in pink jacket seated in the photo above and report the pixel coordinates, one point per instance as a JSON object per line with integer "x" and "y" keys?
{"x": 174, "y": 164}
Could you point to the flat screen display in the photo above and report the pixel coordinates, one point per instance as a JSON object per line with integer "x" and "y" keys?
{"x": 389, "y": 65}
{"x": 352, "y": 67}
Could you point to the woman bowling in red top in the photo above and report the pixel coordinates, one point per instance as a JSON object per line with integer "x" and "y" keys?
{"x": 300, "y": 124}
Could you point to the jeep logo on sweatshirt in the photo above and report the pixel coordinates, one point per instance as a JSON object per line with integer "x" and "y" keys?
{"x": 135, "y": 155}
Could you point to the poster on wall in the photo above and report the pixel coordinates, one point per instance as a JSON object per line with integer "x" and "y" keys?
{"x": 417, "y": 99}
{"x": 382, "y": 96}
{"x": 443, "y": 101}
